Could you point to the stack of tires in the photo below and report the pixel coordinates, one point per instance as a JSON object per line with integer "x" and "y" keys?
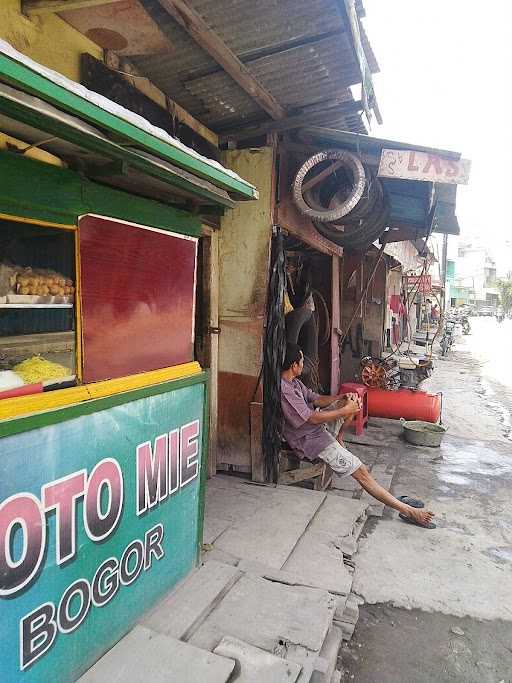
{"x": 347, "y": 203}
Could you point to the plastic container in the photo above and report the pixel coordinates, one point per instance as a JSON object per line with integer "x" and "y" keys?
{"x": 9, "y": 380}
{"x": 25, "y": 390}
{"x": 411, "y": 405}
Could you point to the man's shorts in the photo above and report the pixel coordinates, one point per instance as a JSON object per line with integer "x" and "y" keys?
{"x": 340, "y": 460}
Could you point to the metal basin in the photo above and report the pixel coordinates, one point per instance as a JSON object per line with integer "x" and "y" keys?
{"x": 422, "y": 433}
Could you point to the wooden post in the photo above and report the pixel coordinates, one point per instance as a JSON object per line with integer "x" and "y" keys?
{"x": 209, "y": 289}
{"x": 257, "y": 463}
{"x": 335, "y": 326}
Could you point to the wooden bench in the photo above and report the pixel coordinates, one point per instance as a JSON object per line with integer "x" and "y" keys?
{"x": 292, "y": 470}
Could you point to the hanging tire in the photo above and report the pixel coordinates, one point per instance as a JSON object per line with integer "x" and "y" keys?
{"x": 355, "y": 169}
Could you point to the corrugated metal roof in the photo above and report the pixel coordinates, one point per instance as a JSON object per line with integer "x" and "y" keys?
{"x": 299, "y": 51}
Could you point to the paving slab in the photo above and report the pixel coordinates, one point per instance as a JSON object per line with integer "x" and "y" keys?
{"x": 184, "y": 609}
{"x": 144, "y": 655}
{"x": 317, "y": 559}
{"x": 329, "y": 652}
{"x": 280, "y": 575}
{"x": 268, "y": 531}
{"x": 212, "y": 554}
{"x": 337, "y": 516}
{"x": 345, "y": 483}
{"x": 263, "y": 613}
{"x": 254, "y": 665}
{"x": 214, "y": 526}
{"x": 318, "y": 556}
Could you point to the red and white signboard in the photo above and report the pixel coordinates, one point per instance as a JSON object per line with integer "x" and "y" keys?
{"x": 422, "y": 283}
{"x": 408, "y": 164}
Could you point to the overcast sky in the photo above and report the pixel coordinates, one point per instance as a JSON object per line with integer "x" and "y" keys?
{"x": 445, "y": 82}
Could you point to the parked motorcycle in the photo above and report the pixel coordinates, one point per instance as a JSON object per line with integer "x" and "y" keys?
{"x": 448, "y": 337}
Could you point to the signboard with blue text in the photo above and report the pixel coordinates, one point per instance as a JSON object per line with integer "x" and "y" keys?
{"x": 98, "y": 519}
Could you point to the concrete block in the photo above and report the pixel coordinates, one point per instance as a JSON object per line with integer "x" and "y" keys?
{"x": 144, "y": 655}
{"x": 185, "y": 608}
{"x": 347, "y": 629}
{"x": 376, "y": 510}
{"x": 253, "y": 665}
{"x": 329, "y": 652}
{"x": 348, "y": 546}
{"x": 351, "y": 612}
{"x": 359, "y": 526}
{"x": 310, "y": 662}
{"x": 263, "y": 613}
{"x": 341, "y": 601}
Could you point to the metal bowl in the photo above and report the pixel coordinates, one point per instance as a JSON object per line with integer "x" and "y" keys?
{"x": 422, "y": 433}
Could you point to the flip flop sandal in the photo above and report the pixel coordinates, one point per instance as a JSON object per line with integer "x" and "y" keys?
{"x": 413, "y": 502}
{"x": 430, "y": 525}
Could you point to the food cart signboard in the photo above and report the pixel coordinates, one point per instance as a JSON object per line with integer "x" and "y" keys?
{"x": 98, "y": 519}
{"x": 409, "y": 164}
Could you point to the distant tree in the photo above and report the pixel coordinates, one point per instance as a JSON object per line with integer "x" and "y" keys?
{"x": 505, "y": 290}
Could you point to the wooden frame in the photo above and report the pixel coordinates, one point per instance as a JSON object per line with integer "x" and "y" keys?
{"x": 34, "y": 7}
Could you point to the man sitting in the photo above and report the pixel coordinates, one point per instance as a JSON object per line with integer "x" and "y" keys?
{"x": 305, "y": 430}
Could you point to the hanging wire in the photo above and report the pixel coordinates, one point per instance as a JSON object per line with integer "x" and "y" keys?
{"x": 273, "y": 355}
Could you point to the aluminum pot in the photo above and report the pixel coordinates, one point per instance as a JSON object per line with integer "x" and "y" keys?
{"x": 422, "y": 433}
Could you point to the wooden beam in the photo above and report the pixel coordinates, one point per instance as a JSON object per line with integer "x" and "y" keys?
{"x": 210, "y": 42}
{"x": 291, "y": 122}
{"x": 302, "y": 474}
{"x": 33, "y": 7}
{"x": 320, "y": 176}
{"x": 132, "y": 75}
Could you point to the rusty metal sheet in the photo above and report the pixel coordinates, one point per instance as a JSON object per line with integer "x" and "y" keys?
{"x": 300, "y": 52}
{"x": 124, "y": 27}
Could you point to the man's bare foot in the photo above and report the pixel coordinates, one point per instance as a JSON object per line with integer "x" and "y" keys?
{"x": 422, "y": 517}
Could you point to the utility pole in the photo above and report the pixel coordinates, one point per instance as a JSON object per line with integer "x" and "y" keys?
{"x": 444, "y": 258}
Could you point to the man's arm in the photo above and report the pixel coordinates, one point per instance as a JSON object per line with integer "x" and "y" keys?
{"x": 323, "y": 416}
{"x": 324, "y": 401}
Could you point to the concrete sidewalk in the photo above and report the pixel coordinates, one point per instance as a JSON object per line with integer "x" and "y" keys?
{"x": 271, "y": 602}
{"x": 440, "y": 600}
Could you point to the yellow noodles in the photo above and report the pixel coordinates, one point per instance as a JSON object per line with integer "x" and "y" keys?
{"x": 37, "y": 369}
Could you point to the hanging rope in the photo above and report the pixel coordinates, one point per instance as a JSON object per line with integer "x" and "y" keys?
{"x": 273, "y": 355}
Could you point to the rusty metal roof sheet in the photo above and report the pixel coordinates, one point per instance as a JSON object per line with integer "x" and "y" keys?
{"x": 301, "y": 52}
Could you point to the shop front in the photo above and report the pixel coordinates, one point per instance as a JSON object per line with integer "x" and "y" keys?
{"x": 103, "y": 407}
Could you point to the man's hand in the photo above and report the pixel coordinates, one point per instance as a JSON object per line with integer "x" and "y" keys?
{"x": 353, "y": 405}
{"x": 352, "y": 396}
